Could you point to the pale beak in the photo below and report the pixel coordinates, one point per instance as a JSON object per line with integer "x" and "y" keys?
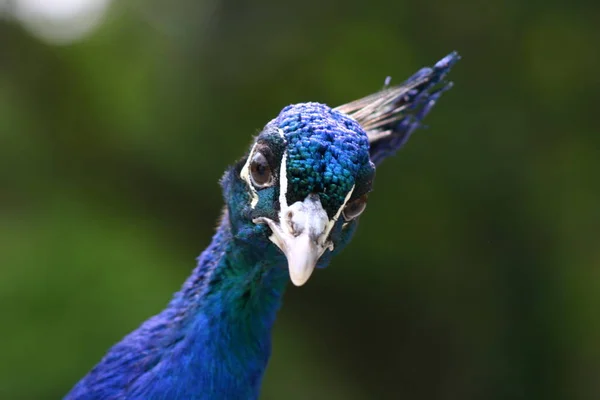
{"x": 301, "y": 234}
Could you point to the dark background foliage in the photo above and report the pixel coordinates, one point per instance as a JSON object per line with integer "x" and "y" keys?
{"x": 475, "y": 273}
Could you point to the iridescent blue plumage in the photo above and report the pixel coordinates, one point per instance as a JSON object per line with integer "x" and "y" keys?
{"x": 291, "y": 204}
{"x": 326, "y": 150}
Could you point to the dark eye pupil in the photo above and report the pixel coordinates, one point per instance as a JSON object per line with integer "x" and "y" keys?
{"x": 260, "y": 170}
{"x": 355, "y": 208}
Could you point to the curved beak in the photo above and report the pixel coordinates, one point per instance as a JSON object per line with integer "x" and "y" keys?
{"x": 301, "y": 234}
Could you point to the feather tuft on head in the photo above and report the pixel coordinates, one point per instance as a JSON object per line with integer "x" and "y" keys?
{"x": 391, "y": 115}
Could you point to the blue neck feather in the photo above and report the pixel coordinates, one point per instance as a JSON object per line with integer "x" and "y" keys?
{"x": 212, "y": 341}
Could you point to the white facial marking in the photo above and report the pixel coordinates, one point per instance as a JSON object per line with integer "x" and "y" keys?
{"x": 283, "y": 184}
{"x": 281, "y": 133}
{"x": 245, "y": 175}
{"x": 336, "y": 217}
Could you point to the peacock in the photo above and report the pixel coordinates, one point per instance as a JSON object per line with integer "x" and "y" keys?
{"x": 291, "y": 204}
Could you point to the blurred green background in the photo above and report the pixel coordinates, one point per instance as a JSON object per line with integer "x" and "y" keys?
{"x": 475, "y": 273}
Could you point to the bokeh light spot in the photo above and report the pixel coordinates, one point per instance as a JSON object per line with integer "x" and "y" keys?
{"x": 61, "y": 21}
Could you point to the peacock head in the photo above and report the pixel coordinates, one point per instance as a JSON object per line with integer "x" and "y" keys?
{"x": 301, "y": 188}
{"x": 307, "y": 177}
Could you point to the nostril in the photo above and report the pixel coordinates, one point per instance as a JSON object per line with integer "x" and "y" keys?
{"x": 313, "y": 197}
{"x": 290, "y": 222}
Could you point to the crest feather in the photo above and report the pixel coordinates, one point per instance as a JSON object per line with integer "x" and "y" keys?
{"x": 391, "y": 115}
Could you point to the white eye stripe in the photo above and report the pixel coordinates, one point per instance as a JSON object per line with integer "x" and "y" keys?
{"x": 283, "y": 185}
{"x": 245, "y": 175}
{"x": 335, "y": 218}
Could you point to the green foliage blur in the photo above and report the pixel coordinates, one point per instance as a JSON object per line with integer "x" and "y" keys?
{"x": 475, "y": 273}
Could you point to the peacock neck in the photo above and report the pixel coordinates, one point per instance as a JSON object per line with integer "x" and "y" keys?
{"x": 237, "y": 279}
{"x": 224, "y": 314}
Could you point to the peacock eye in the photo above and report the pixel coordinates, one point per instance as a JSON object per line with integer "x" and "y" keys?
{"x": 354, "y": 208}
{"x": 260, "y": 171}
